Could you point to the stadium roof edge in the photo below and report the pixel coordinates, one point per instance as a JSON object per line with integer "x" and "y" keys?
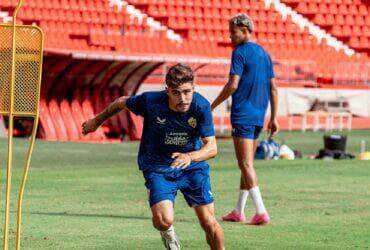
{"x": 138, "y": 57}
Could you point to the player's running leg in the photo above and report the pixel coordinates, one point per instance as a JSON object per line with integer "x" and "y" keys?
{"x": 213, "y": 230}
{"x": 245, "y": 149}
{"x": 163, "y": 216}
{"x": 237, "y": 215}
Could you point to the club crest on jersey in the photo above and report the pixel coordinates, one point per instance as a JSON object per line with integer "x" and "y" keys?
{"x": 192, "y": 122}
{"x": 161, "y": 121}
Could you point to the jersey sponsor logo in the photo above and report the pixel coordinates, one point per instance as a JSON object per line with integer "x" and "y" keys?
{"x": 175, "y": 138}
{"x": 161, "y": 121}
{"x": 192, "y": 122}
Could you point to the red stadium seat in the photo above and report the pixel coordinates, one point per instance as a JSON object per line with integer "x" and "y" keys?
{"x": 339, "y": 20}
{"x": 320, "y": 19}
{"x": 71, "y": 126}
{"x": 354, "y": 42}
{"x": 359, "y": 20}
{"x": 347, "y": 31}
{"x": 329, "y": 19}
{"x": 333, "y": 8}
{"x": 46, "y": 122}
{"x": 342, "y": 9}
{"x": 356, "y": 31}
{"x": 59, "y": 125}
{"x": 363, "y": 10}
{"x": 364, "y": 42}
{"x": 352, "y": 9}
{"x": 78, "y": 117}
{"x": 323, "y": 8}
{"x": 313, "y": 8}
{"x": 349, "y": 20}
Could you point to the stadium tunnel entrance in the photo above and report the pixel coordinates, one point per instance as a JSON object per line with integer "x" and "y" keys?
{"x": 74, "y": 90}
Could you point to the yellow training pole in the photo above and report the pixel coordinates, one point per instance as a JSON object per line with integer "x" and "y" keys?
{"x": 30, "y": 150}
{"x": 10, "y": 133}
{"x": 8, "y": 181}
{"x": 24, "y": 178}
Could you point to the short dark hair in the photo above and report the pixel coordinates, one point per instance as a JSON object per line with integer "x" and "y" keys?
{"x": 179, "y": 74}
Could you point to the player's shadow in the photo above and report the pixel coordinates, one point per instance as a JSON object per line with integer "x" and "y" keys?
{"x": 93, "y": 215}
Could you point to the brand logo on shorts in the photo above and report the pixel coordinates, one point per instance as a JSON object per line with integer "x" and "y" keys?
{"x": 161, "y": 121}
{"x": 192, "y": 122}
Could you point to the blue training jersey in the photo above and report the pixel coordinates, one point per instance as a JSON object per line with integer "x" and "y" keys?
{"x": 166, "y": 131}
{"x": 254, "y": 67}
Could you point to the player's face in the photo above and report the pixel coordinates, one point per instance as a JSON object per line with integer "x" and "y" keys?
{"x": 237, "y": 35}
{"x": 180, "y": 98}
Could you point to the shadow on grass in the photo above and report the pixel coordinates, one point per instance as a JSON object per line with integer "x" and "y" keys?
{"x": 92, "y": 215}
{"x": 115, "y": 216}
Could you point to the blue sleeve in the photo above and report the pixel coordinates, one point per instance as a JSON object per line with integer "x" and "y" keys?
{"x": 237, "y": 63}
{"x": 206, "y": 127}
{"x": 137, "y": 104}
{"x": 270, "y": 68}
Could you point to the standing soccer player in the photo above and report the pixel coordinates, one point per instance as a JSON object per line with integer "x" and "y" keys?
{"x": 251, "y": 85}
{"x": 178, "y": 138}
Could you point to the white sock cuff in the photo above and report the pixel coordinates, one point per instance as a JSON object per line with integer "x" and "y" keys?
{"x": 169, "y": 229}
{"x": 254, "y": 189}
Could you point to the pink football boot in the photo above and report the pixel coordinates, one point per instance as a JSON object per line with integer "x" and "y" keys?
{"x": 260, "y": 219}
{"x": 234, "y": 217}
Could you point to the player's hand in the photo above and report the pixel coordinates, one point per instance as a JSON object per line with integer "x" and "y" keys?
{"x": 273, "y": 127}
{"x": 89, "y": 126}
{"x": 181, "y": 160}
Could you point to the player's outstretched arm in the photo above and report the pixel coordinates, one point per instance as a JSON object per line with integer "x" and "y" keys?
{"x": 207, "y": 151}
{"x": 91, "y": 125}
{"x": 273, "y": 125}
{"x": 230, "y": 87}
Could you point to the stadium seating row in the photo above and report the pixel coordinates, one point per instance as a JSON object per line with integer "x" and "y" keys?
{"x": 62, "y": 121}
{"x": 330, "y": 19}
{"x": 87, "y": 17}
{"x": 342, "y": 18}
{"x": 91, "y": 5}
{"x": 97, "y": 26}
{"x": 271, "y": 30}
{"x": 332, "y": 8}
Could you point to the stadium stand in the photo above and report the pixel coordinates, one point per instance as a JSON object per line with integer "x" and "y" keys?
{"x": 348, "y": 20}
{"x": 97, "y": 50}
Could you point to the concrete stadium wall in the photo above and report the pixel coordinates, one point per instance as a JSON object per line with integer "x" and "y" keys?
{"x": 292, "y": 100}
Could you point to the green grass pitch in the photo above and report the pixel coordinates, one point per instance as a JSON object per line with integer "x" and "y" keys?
{"x": 92, "y": 196}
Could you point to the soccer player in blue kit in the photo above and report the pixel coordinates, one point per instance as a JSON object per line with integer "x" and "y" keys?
{"x": 251, "y": 84}
{"x": 178, "y": 137}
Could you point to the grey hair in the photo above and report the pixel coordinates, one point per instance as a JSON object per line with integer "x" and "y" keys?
{"x": 242, "y": 20}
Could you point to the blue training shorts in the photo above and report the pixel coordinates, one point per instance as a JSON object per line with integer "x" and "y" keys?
{"x": 246, "y": 131}
{"x": 194, "y": 184}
